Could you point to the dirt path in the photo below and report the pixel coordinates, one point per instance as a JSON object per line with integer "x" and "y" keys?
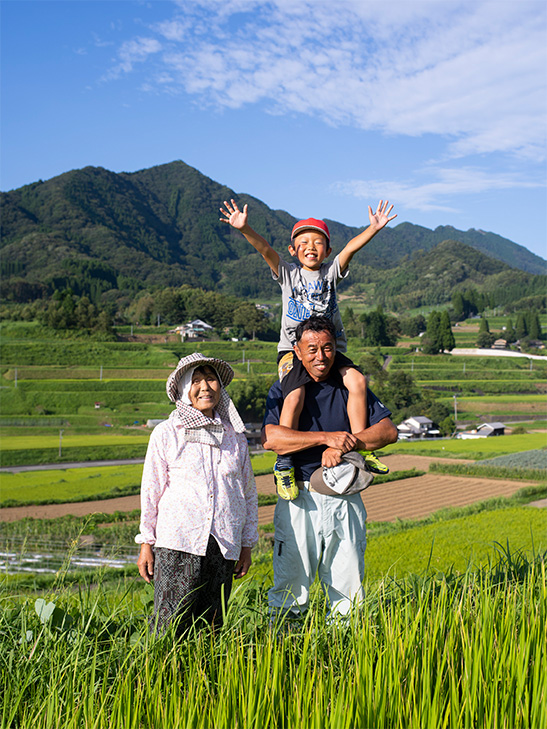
{"x": 410, "y": 498}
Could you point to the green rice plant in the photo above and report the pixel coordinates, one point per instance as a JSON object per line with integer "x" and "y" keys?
{"x": 57, "y": 486}
{"x": 455, "y": 543}
{"x": 486, "y": 471}
{"x": 430, "y": 650}
{"x": 263, "y": 463}
{"x": 71, "y": 440}
{"x": 475, "y": 449}
{"x": 71, "y": 455}
{"x": 84, "y": 353}
{"x": 69, "y": 485}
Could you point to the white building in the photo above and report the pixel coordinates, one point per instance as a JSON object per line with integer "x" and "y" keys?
{"x": 192, "y": 330}
{"x": 418, "y": 426}
{"x": 485, "y": 430}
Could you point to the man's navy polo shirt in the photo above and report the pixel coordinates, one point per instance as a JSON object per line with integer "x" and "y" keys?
{"x": 325, "y": 408}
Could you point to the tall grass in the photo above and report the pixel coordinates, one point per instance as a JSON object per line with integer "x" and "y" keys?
{"x": 446, "y": 651}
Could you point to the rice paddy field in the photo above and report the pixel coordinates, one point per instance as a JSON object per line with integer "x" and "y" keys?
{"x": 475, "y": 449}
{"x": 444, "y": 645}
{"x": 452, "y": 630}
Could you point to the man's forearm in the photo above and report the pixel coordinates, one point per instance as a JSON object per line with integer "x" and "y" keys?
{"x": 377, "y": 436}
{"x": 284, "y": 440}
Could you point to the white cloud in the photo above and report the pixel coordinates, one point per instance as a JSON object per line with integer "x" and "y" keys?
{"x": 447, "y": 183}
{"x": 132, "y": 52}
{"x": 473, "y": 72}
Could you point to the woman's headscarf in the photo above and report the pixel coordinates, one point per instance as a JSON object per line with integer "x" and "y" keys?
{"x": 199, "y": 428}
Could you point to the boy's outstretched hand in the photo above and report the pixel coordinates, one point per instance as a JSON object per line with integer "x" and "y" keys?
{"x": 234, "y": 216}
{"x": 381, "y": 217}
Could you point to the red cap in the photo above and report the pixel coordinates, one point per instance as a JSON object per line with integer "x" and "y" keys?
{"x": 310, "y": 224}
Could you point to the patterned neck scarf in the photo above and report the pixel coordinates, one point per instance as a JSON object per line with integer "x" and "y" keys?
{"x": 199, "y": 428}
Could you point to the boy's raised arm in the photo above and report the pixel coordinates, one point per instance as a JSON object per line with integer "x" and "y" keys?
{"x": 238, "y": 219}
{"x": 378, "y": 220}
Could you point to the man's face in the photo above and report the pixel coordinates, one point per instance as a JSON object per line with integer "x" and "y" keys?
{"x": 311, "y": 248}
{"x": 316, "y": 351}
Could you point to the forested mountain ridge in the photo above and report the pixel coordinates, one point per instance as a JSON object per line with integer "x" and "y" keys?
{"x": 160, "y": 227}
{"x": 431, "y": 277}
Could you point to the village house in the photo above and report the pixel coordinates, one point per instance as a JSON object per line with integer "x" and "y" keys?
{"x": 485, "y": 430}
{"x": 418, "y": 426}
{"x": 500, "y": 344}
{"x": 192, "y": 330}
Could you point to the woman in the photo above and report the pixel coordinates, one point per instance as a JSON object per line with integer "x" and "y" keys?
{"x": 199, "y": 511}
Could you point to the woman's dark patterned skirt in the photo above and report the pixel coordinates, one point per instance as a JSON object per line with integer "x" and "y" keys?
{"x": 187, "y": 587}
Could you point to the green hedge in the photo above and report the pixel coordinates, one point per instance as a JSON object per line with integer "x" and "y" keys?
{"x": 517, "y": 474}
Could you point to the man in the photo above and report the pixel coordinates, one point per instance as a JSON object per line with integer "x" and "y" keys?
{"x": 318, "y": 532}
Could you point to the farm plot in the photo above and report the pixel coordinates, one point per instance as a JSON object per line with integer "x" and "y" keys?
{"x": 69, "y": 485}
{"x": 476, "y": 449}
{"x": 506, "y": 406}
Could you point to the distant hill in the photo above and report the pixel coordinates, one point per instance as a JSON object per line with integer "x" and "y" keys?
{"x": 430, "y": 277}
{"x": 160, "y": 227}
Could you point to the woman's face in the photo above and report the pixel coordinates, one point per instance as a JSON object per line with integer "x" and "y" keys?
{"x": 205, "y": 390}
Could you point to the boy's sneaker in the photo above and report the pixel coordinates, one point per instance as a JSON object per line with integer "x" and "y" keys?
{"x": 373, "y": 464}
{"x": 285, "y": 484}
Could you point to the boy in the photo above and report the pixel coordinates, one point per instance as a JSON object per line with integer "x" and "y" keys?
{"x": 309, "y": 287}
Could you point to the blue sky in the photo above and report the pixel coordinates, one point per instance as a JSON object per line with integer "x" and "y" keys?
{"x": 318, "y": 108}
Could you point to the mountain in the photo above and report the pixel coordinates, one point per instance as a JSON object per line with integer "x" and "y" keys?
{"x": 428, "y": 278}
{"x": 160, "y": 227}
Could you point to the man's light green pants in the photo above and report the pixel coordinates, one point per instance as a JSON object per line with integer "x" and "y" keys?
{"x": 324, "y": 535}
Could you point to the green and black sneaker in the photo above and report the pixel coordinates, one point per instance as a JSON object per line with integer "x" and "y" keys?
{"x": 373, "y": 464}
{"x": 285, "y": 484}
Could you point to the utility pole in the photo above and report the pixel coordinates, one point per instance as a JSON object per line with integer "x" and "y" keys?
{"x": 60, "y": 442}
{"x": 15, "y": 382}
{"x": 101, "y": 375}
{"x": 455, "y": 412}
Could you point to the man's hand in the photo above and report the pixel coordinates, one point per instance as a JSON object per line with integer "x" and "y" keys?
{"x": 234, "y": 216}
{"x": 145, "y": 563}
{"x": 340, "y": 440}
{"x": 331, "y": 457}
{"x": 380, "y": 218}
{"x": 243, "y": 563}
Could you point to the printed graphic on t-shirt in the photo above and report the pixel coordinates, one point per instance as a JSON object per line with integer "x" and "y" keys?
{"x": 313, "y": 297}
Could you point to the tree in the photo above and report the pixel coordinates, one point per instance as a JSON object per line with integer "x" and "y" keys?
{"x": 485, "y": 340}
{"x": 378, "y": 330}
{"x": 448, "y": 341}
{"x": 438, "y": 336}
{"x": 432, "y": 342}
{"x": 249, "y": 318}
{"x": 510, "y": 335}
{"x": 412, "y": 326}
{"x": 400, "y": 391}
{"x": 533, "y": 325}
{"x": 521, "y": 327}
{"x": 447, "y": 425}
{"x": 249, "y": 396}
{"x": 372, "y": 367}
{"x": 351, "y": 323}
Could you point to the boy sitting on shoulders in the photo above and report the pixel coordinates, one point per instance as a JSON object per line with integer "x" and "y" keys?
{"x": 309, "y": 287}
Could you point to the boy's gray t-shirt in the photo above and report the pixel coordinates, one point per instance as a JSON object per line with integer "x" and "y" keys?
{"x": 309, "y": 292}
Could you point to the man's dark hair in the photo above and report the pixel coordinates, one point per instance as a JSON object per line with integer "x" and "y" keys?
{"x": 315, "y": 324}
